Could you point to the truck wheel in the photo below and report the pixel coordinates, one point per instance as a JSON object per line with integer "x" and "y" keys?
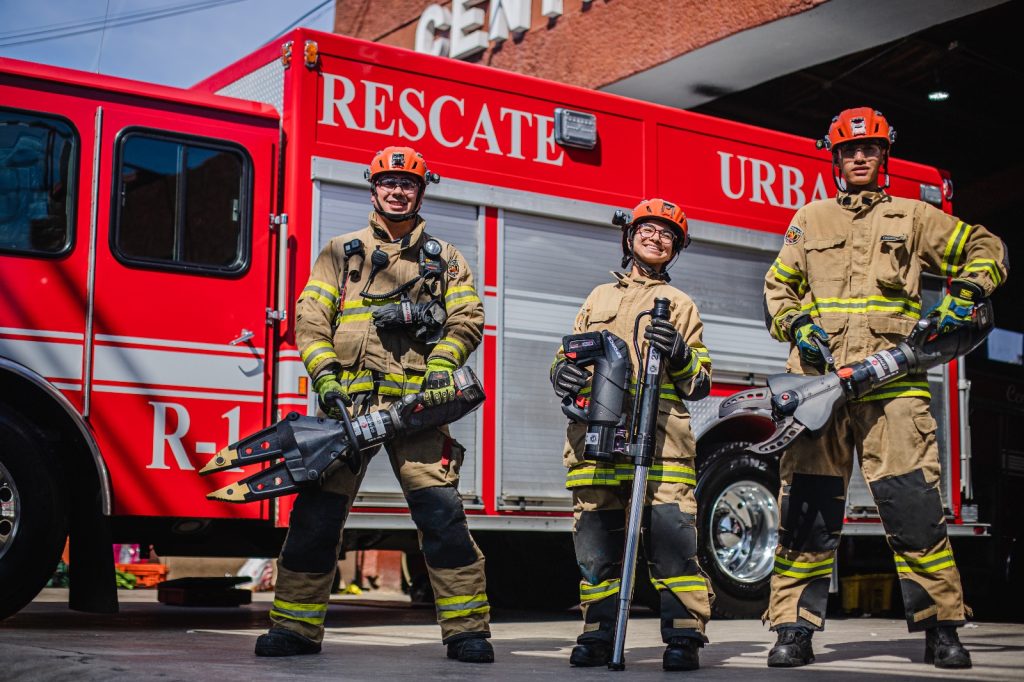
{"x": 738, "y": 528}
{"x": 33, "y": 517}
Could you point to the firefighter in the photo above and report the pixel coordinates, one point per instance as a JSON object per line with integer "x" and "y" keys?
{"x": 651, "y": 240}
{"x": 388, "y": 311}
{"x": 849, "y": 275}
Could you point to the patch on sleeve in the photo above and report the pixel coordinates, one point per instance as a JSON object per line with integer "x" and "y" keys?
{"x": 793, "y": 234}
{"x": 453, "y": 267}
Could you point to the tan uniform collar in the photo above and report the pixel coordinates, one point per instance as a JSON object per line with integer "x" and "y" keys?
{"x": 629, "y": 280}
{"x": 382, "y": 236}
{"x": 861, "y": 200}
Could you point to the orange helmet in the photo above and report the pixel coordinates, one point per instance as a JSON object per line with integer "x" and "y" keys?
{"x": 861, "y": 123}
{"x": 666, "y": 212}
{"x": 653, "y": 209}
{"x": 400, "y": 160}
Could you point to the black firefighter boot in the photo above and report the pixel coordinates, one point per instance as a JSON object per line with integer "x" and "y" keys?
{"x": 590, "y": 654}
{"x": 282, "y": 642}
{"x": 942, "y": 647}
{"x": 792, "y": 649}
{"x": 471, "y": 648}
{"x": 682, "y": 653}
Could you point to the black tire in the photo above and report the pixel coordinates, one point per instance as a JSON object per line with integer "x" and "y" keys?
{"x": 738, "y": 520}
{"x": 33, "y": 527}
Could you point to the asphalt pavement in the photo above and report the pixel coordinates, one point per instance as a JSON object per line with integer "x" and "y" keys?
{"x": 383, "y": 637}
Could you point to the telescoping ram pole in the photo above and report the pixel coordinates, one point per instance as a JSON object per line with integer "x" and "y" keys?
{"x": 643, "y": 431}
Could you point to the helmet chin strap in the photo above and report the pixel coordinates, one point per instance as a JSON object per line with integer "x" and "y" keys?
{"x": 840, "y": 182}
{"x": 648, "y": 270}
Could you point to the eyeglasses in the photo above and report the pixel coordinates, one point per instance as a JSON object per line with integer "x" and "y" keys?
{"x": 868, "y": 149}
{"x": 647, "y": 231}
{"x": 393, "y": 182}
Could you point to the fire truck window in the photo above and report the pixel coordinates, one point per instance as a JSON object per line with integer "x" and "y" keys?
{"x": 37, "y": 158}
{"x": 181, "y": 204}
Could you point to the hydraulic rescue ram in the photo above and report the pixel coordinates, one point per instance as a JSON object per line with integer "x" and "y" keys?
{"x": 309, "y": 445}
{"x": 801, "y": 403}
{"x": 608, "y": 435}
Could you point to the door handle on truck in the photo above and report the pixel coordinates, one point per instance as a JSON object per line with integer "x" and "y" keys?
{"x": 242, "y": 338}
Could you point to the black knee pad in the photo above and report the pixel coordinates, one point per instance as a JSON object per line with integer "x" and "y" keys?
{"x": 672, "y": 542}
{"x": 438, "y": 514}
{"x": 911, "y": 511}
{"x": 812, "y": 513}
{"x": 314, "y": 531}
{"x": 599, "y": 538}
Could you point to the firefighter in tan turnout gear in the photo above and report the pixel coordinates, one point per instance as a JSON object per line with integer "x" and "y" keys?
{"x": 600, "y": 491}
{"x": 849, "y": 274}
{"x": 388, "y": 311}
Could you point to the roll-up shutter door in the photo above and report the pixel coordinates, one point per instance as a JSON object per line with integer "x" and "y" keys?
{"x": 550, "y": 266}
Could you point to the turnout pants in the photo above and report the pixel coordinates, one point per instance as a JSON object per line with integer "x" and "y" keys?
{"x": 600, "y": 502}
{"x": 895, "y": 439}
{"x": 427, "y": 466}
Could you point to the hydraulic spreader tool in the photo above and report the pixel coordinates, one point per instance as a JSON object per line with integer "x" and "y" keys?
{"x": 610, "y": 434}
{"x": 309, "y": 445}
{"x": 799, "y": 403}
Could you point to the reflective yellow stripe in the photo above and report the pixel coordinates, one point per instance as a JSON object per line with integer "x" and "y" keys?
{"x": 455, "y": 347}
{"x": 356, "y": 382}
{"x": 899, "y": 389}
{"x": 984, "y": 265}
{"x": 591, "y": 474}
{"x": 313, "y": 614}
{"x": 777, "y": 331}
{"x": 316, "y": 354}
{"x": 681, "y": 583}
{"x": 691, "y": 368}
{"x": 456, "y": 607}
{"x": 927, "y": 564}
{"x": 802, "y": 569}
{"x": 361, "y": 309}
{"x": 869, "y": 304}
{"x": 601, "y": 590}
{"x": 460, "y": 294}
{"x": 955, "y": 248}
{"x": 788, "y": 275}
{"x": 673, "y": 473}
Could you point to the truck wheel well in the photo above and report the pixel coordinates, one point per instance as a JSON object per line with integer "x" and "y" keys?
{"x": 62, "y": 434}
{"x": 751, "y": 427}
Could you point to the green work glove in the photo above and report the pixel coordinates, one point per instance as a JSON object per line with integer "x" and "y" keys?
{"x": 804, "y": 331}
{"x": 329, "y": 391}
{"x": 956, "y": 307}
{"x": 438, "y": 382}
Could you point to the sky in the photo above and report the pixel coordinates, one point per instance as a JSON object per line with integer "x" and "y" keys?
{"x": 172, "y": 42}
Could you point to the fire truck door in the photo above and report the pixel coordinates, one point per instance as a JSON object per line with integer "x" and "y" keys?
{"x": 181, "y": 345}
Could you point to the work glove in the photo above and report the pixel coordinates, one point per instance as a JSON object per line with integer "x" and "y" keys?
{"x": 438, "y": 381}
{"x": 403, "y": 314}
{"x": 956, "y": 307}
{"x": 329, "y": 391}
{"x": 803, "y": 332}
{"x": 568, "y": 379}
{"x": 669, "y": 342}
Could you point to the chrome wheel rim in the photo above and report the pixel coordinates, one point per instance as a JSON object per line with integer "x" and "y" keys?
{"x": 744, "y": 531}
{"x": 10, "y": 509}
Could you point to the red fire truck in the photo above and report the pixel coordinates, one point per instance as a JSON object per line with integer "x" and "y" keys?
{"x": 153, "y": 241}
